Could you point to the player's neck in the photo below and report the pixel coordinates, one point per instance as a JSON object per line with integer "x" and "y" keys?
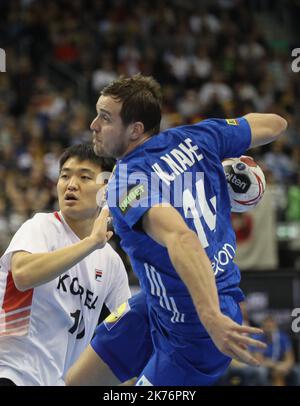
{"x": 82, "y": 228}
{"x": 132, "y": 146}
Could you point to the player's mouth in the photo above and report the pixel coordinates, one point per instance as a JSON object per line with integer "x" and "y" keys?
{"x": 96, "y": 141}
{"x": 70, "y": 198}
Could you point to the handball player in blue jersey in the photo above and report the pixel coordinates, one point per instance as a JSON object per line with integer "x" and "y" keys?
{"x": 170, "y": 206}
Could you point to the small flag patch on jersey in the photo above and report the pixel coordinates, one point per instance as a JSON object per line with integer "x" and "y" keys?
{"x": 232, "y": 121}
{"x": 98, "y": 274}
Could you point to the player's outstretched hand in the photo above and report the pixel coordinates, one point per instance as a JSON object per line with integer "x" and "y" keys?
{"x": 99, "y": 232}
{"x": 232, "y": 339}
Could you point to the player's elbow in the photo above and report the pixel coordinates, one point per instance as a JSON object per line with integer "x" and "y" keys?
{"x": 278, "y": 124}
{"x": 265, "y": 128}
{"x": 20, "y": 278}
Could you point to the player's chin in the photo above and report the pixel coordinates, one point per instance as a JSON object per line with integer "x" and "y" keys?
{"x": 101, "y": 151}
{"x": 98, "y": 149}
{"x": 73, "y": 207}
{"x": 74, "y": 213}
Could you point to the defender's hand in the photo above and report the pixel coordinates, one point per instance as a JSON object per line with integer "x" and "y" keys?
{"x": 99, "y": 233}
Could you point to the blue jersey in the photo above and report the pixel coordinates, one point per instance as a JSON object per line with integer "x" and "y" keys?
{"x": 181, "y": 166}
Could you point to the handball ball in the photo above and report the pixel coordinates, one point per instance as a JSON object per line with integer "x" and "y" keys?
{"x": 246, "y": 183}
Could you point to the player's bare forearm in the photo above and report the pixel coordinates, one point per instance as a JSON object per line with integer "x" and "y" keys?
{"x": 31, "y": 270}
{"x": 265, "y": 128}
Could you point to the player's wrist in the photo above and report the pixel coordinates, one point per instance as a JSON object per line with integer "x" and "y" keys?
{"x": 210, "y": 319}
{"x": 91, "y": 242}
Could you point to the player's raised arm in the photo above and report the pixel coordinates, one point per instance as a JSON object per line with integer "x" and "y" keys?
{"x": 31, "y": 270}
{"x": 167, "y": 228}
{"x": 265, "y": 128}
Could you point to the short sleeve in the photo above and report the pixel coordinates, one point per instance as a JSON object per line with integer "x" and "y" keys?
{"x": 134, "y": 191}
{"x": 30, "y": 237}
{"x": 119, "y": 290}
{"x": 228, "y": 138}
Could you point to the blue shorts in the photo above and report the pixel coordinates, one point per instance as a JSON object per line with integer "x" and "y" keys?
{"x": 180, "y": 360}
{"x": 124, "y": 341}
{"x": 136, "y": 344}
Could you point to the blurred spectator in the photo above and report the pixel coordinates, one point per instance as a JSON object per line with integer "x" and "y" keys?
{"x": 178, "y": 63}
{"x": 51, "y": 161}
{"x": 4, "y": 225}
{"x": 216, "y": 90}
{"x": 279, "y": 162}
{"x": 293, "y": 205}
{"x": 278, "y": 358}
{"x": 240, "y": 374}
{"x": 201, "y": 20}
{"x": 251, "y": 49}
{"x": 201, "y": 63}
{"x": 104, "y": 74}
{"x": 188, "y": 106}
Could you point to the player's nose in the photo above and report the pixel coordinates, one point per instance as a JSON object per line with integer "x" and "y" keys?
{"x": 95, "y": 126}
{"x": 72, "y": 185}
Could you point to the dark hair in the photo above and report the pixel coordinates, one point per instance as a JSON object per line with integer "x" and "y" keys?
{"x": 142, "y": 99}
{"x": 85, "y": 152}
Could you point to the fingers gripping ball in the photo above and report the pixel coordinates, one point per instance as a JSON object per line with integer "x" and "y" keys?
{"x": 246, "y": 183}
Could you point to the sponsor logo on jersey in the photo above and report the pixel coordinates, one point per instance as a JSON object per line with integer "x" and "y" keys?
{"x": 98, "y": 275}
{"x": 115, "y": 316}
{"x": 134, "y": 194}
{"x": 232, "y": 121}
{"x": 223, "y": 258}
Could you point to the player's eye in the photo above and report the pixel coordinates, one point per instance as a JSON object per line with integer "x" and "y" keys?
{"x": 63, "y": 176}
{"x": 85, "y": 177}
{"x": 105, "y": 117}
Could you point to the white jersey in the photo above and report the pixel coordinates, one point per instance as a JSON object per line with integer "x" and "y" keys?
{"x": 43, "y": 330}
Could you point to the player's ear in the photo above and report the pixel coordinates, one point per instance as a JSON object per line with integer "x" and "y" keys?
{"x": 137, "y": 130}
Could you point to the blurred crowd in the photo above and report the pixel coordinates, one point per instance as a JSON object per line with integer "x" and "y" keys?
{"x": 213, "y": 58}
{"x": 278, "y": 366}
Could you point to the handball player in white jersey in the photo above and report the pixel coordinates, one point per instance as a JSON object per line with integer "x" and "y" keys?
{"x": 55, "y": 276}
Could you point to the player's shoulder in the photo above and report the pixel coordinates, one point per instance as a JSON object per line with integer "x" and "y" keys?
{"x": 46, "y": 218}
{"x": 36, "y": 219}
{"x": 175, "y": 135}
{"x": 44, "y": 222}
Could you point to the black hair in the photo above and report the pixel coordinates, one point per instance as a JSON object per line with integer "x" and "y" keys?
{"x": 85, "y": 152}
